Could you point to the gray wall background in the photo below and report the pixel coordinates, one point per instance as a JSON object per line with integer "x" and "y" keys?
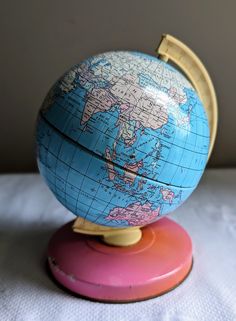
{"x": 41, "y": 39}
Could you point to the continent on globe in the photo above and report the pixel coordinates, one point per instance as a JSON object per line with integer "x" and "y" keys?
{"x": 91, "y": 107}
{"x": 167, "y": 195}
{"x": 135, "y": 214}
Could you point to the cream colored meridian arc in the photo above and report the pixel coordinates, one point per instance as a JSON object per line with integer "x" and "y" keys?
{"x": 174, "y": 50}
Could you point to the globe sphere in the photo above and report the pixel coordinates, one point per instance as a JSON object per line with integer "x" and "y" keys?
{"x": 122, "y": 139}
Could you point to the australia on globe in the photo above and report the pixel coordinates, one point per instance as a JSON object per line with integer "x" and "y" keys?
{"x": 122, "y": 139}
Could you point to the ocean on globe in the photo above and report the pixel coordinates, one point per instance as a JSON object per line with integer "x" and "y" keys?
{"x": 122, "y": 139}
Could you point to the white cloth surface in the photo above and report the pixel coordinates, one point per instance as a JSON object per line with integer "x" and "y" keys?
{"x": 29, "y": 214}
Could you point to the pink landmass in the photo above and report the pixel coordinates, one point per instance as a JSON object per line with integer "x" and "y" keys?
{"x": 111, "y": 170}
{"x": 132, "y": 170}
{"x": 130, "y": 142}
{"x": 167, "y": 195}
{"x": 99, "y": 100}
{"x": 172, "y": 92}
{"x": 134, "y": 167}
{"x": 124, "y": 107}
{"x": 135, "y": 214}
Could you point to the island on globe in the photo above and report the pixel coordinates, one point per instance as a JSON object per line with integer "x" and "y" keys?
{"x": 122, "y": 139}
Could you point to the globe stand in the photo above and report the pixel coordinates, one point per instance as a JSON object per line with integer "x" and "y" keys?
{"x": 132, "y": 264}
{"x": 156, "y": 263}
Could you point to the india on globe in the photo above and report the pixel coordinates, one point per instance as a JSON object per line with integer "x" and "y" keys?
{"x": 122, "y": 139}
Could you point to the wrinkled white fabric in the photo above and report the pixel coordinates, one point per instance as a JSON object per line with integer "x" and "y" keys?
{"x": 29, "y": 214}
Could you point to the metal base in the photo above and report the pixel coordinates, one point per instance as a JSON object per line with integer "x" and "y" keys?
{"x": 159, "y": 262}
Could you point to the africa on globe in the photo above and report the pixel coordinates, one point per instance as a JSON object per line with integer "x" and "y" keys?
{"x": 122, "y": 139}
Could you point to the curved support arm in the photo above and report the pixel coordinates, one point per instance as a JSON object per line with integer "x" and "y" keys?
{"x": 174, "y": 50}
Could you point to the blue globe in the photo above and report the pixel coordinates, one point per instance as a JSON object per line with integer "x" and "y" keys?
{"x": 122, "y": 139}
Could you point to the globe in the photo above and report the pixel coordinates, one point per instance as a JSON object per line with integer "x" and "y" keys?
{"x": 122, "y": 139}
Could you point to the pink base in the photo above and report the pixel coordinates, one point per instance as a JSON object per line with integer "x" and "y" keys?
{"x": 156, "y": 264}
